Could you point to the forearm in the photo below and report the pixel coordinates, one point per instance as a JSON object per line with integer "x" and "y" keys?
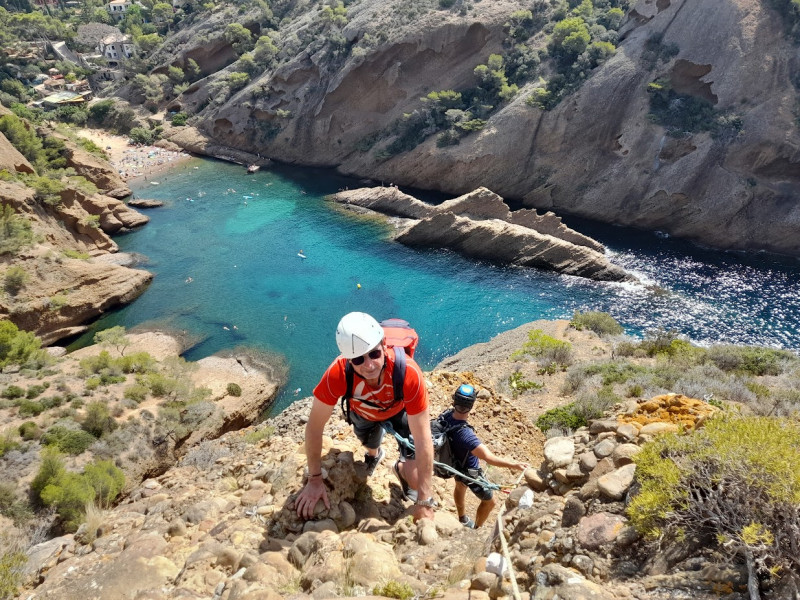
{"x": 319, "y": 415}
{"x": 313, "y": 449}
{"x": 499, "y": 461}
{"x": 424, "y": 458}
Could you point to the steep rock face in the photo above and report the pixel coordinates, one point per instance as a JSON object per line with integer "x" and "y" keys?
{"x": 595, "y": 154}
{"x": 63, "y": 293}
{"x": 479, "y": 224}
{"x": 60, "y": 294}
{"x": 11, "y": 159}
{"x": 99, "y": 172}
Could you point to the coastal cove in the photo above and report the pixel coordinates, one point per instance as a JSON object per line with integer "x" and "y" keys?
{"x": 224, "y": 252}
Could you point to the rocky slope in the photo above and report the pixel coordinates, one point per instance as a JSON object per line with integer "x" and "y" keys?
{"x": 480, "y": 225}
{"x": 220, "y": 524}
{"x": 596, "y": 154}
{"x": 69, "y": 277}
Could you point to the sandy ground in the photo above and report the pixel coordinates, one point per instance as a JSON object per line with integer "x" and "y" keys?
{"x": 134, "y": 162}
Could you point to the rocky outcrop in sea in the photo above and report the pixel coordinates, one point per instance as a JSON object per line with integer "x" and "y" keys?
{"x": 480, "y": 225}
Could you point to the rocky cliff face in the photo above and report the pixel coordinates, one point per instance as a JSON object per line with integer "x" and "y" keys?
{"x": 68, "y": 279}
{"x": 596, "y": 154}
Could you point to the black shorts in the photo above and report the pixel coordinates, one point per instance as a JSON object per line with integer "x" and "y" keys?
{"x": 480, "y": 491}
{"x": 370, "y": 433}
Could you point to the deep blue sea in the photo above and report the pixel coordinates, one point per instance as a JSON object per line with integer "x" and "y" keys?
{"x": 224, "y": 251}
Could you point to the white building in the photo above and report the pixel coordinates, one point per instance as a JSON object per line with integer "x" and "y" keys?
{"x": 118, "y": 8}
{"x": 116, "y": 46}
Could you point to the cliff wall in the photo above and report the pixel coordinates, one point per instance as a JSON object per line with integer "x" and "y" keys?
{"x": 596, "y": 154}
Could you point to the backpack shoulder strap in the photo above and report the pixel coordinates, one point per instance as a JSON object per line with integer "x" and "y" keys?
{"x": 399, "y": 373}
{"x": 348, "y": 377}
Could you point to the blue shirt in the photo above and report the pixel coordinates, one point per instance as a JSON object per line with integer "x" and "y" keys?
{"x": 463, "y": 442}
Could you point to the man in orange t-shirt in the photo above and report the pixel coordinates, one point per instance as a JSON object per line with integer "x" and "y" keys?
{"x": 361, "y": 341}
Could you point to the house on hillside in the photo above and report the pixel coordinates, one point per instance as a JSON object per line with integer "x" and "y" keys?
{"x": 115, "y": 47}
{"x": 118, "y": 8}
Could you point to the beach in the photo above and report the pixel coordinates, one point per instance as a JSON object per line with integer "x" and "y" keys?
{"x": 134, "y": 162}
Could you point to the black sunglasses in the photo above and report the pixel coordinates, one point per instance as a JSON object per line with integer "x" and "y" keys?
{"x": 373, "y": 354}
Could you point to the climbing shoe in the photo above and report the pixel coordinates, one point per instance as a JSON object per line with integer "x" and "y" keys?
{"x": 373, "y": 461}
{"x": 408, "y": 493}
{"x": 466, "y": 522}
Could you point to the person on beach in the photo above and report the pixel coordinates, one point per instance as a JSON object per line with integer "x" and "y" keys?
{"x": 467, "y": 451}
{"x": 361, "y": 342}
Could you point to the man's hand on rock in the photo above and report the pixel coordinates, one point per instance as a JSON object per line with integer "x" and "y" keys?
{"x": 307, "y": 500}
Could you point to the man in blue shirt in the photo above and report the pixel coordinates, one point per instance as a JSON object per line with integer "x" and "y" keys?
{"x": 467, "y": 451}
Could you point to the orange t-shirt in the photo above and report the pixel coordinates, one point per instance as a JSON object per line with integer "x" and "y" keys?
{"x": 333, "y": 386}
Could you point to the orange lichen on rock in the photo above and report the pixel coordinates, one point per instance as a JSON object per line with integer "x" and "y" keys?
{"x": 671, "y": 408}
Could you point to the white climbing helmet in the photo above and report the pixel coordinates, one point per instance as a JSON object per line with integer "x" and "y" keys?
{"x": 357, "y": 333}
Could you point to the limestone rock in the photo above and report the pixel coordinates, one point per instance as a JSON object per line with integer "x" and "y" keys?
{"x": 614, "y": 485}
{"x": 599, "y": 530}
{"x": 555, "y": 580}
{"x": 479, "y": 224}
{"x": 559, "y": 451}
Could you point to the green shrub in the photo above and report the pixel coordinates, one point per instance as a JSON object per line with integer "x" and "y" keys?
{"x": 13, "y": 391}
{"x": 70, "y": 441}
{"x": 750, "y": 360}
{"x": 546, "y": 348}
{"x": 179, "y": 119}
{"x": 69, "y": 495}
{"x": 592, "y": 405}
{"x": 12, "y": 563}
{"x": 50, "y": 469}
{"x": 30, "y": 408}
{"x": 392, "y": 588}
{"x": 76, "y": 254}
{"x": 29, "y": 431}
{"x": 106, "y": 480}
{"x": 98, "y": 419}
{"x": 601, "y": 323}
{"x": 159, "y": 384}
{"x": 7, "y": 443}
{"x": 14, "y": 279}
{"x": 734, "y": 481}
{"x": 12, "y": 507}
{"x": 661, "y": 341}
{"x": 15, "y": 231}
{"x": 142, "y": 135}
{"x": 234, "y": 389}
{"x": 93, "y": 383}
{"x": 136, "y": 392}
{"x": 612, "y": 371}
{"x": 20, "y": 347}
{"x": 256, "y": 435}
{"x": 519, "y": 384}
{"x": 563, "y": 417}
{"x": 36, "y": 390}
{"x": 91, "y": 147}
{"x": 52, "y": 401}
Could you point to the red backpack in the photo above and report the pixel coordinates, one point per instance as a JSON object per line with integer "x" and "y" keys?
{"x": 404, "y": 339}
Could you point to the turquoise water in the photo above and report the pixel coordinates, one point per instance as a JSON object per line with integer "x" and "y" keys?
{"x": 238, "y": 237}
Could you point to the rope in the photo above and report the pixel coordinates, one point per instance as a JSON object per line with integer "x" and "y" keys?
{"x": 504, "y": 545}
{"x": 481, "y": 481}
{"x": 487, "y": 485}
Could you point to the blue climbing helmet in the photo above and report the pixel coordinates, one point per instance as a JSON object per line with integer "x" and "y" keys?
{"x": 464, "y": 397}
